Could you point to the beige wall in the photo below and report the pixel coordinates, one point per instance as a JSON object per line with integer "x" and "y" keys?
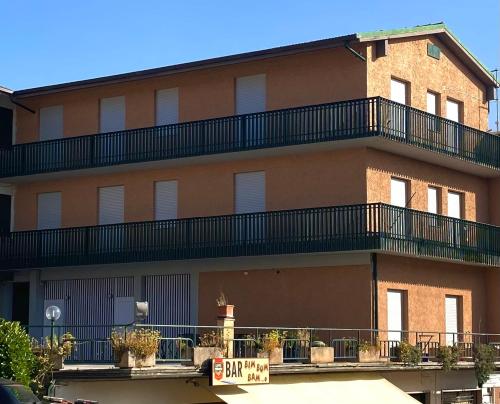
{"x": 295, "y": 181}
{"x": 302, "y": 79}
{"x": 408, "y": 61}
{"x": 427, "y": 283}
{"x": 335, "y": 297}
{"x": 382, "y": 166}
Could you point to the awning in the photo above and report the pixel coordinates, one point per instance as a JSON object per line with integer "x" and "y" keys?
{"x": 345, "y": 388}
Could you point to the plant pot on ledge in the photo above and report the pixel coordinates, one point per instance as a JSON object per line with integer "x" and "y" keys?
{"x": 125, "y": 360}
{"x": 226, "y": 310}
{"x": 146, "y": 361}
{"x": 57, "y": 361}
{"x": 321, "y": 354}
{"x": 203, "y": 354}
{"x": 275, "y": 356}
{"x": 369, "y": 355}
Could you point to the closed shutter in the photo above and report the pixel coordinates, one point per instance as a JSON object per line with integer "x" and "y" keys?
{"x": 452, "y": 110}
{"x": 111, "y": 206}
{"x": 431, "y": 103}
{"x": 432, "y": 200}
{"x": 112, "y": 114}
{"x": 454, "y": 205}
{"x": 398, "y": 192}
{"x": 394, "y": 314}
{"x": 51, "y": 122}
{"x": 165, "y": 200}
{"x": 49, "y": 210}
{"x": 398, "y": 91}
{"x": 250, "y": 192}
{"x": 251, "y": 94}
{"x": 167, "y": 106}
{"x": 451, "y": 312}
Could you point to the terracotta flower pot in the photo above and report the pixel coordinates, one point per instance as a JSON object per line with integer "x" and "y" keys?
{"x": 275, "y": 356}
{"x": 225, "y": 311}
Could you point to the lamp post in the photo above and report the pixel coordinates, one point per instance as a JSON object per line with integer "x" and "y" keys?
{"x": 52, "y": 313}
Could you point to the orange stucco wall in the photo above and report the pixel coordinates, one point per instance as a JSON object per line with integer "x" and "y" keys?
{"x": 302, "y": 79}
{"x": 336, "y": 297}
{"x": 382, "y": 166}
{"x": 408, "y": 61}
{"x": 294, "y": 181}
{"x": 427, "y": 283}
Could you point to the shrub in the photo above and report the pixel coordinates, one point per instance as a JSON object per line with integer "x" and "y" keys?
{"x": 212, "y": 339}
{"x": 272, "y": 340}
{"x": 141, "y": 342}
{"x": 365, "y": 346}
{"x": 484, "y": 362}
{"x": 59, "y": 346}
{"x": 448, "y": 356}
{"x": 16, "y": 358}
{"x": 408, "y": 354}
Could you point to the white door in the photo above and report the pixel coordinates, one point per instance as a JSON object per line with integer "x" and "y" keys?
{"x": 250, "y": 98}
{"x": 49, "y": 210}
{"x": 51, "y": 122}
{"x": 111, "y": 205}
{"x": 453, "y": 114}
{"x": 394, "y": 314}
{"x": 451, "y": 313}
{"x": 167, "y": 106}
{"x": 397, "y": 115}
{"x": 165, "y": 200}
{"x": 398, "y": 192}
{"x": 398, "y": 198}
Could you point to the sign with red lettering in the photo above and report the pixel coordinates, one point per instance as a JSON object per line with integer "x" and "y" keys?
{"x": 239, "y": 371}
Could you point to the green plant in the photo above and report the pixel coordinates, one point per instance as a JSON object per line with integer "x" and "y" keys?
{"x": 272, "y": 340}
{"x": 16, "y": 358}
{"x": 484, "y": 362}
{"x": 365, "y": 346}
{"x": 141, "y": 342}
{"x": 59, "y": 346}
{"x": 448, "y": 356}
{"x": 41, "y": 371}
{"x": 408, "y": 354}
{"x": 211, "y": 339}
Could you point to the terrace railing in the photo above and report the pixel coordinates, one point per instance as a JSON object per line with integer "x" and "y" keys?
{"x": 286, "y": 127}
{"x": 368, "y": 227}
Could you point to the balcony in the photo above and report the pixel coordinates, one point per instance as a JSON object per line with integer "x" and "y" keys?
{"x": 357, "y": 119}
{"x": 369, "y": 227}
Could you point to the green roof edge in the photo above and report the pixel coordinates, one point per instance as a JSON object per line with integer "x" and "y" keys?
{"x": 424, "y": 28}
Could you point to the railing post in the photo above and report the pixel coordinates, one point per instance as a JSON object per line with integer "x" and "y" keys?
{"x": 378, "y": 112}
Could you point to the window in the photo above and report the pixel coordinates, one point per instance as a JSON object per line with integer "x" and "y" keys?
{"x": 49, "y": 210}
{"x": 396, "y": 314}
{"x": 165, "y": 200}
{"x": 111, "y": 205}
{"x": 250, "y": 192}
{"x": 51, "y": 122}
{"x": 167, "y": 106}
{"x": 399, "y": 91}
{"x": 453, "y": 110}
{"x": 251, "y": 94}
{"x": 452, "y": 316}
{"x": 432, "y": 103}
{"x": 432, "y": 200}
{"x": 454, "y": 204}
{"x": 399, "y": 192}
{"x": 112, "y": 114}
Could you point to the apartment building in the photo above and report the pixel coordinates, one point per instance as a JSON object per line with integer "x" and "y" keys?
{"x": 346, "y": 183}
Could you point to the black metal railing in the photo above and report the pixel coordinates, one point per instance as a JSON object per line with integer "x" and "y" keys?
{"x": 310, "y": 124}
{"x": 367, "y": 227}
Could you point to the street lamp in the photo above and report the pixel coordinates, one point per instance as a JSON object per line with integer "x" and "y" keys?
{"x": 52, "y": 313}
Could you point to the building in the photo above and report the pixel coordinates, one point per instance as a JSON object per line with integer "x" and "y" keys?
{"x": 346, "y": 183}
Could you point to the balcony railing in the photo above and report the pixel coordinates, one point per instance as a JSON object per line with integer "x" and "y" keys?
{"x": 312, "y": 124}
{"x": 369, "y": 227}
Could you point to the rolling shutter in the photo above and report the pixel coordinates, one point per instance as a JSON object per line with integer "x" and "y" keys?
{"x": 251, "y": 94}
{"x": 250, "y": 192}
{"x": 431, "y": 103}
{"x": 432, "y": 200}
{"x": 111, "y": 209}
{"x": 452, "y": 110}
{"x": 49, "y": 210}
{"x": 398, "y": 192}
{"x": 394, "y": 314}
{"x": 112, "y": 116}
{"x": 167, "y": 106}
{"x": 451, "y": 312}
{"x": 51, "y": 122}
{"x": 398, "y": 91}
{"x": 165, "y": 200}
{"x": 454, "y": 208}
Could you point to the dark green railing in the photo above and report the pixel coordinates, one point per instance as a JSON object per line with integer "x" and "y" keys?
{"x": 293, "y": 126}
{"x": 370, "y": 227}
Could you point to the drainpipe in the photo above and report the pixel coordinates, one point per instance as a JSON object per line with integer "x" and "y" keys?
{"x": 373, "y": 266}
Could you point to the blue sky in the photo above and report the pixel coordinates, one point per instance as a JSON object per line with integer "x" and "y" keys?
{"x": 52, "y": 41}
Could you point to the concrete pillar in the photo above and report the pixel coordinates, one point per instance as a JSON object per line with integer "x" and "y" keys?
{"x": 227, "y": 321}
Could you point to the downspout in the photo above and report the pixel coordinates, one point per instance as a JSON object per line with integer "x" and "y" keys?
{"x": 374, "y": 281}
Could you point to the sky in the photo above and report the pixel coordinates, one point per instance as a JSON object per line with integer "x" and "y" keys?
{"x": 53, "y": 41}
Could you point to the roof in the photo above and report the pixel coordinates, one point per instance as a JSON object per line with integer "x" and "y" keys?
{"x": 5, "y": 90}
{"x": 439, "y": 29}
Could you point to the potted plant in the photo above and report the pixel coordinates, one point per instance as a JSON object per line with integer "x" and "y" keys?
{"x": 368, "y": 351}
{"x": 408, "y": 354}
{"x": 210, "y": 346}
{"x": 58, "y": 349}
{"x": 484, "y": 362}
{"x": 271, "y": 346}
{"x": 448, "y": 356}
{"x": 223, "y": 308}
{"x": 137, "y": 348}
{"x": 319, "y": 352}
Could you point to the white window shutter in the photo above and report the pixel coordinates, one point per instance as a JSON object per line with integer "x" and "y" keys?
{"x": 112, "y": 114}
{"x": 111, "y": 205}
{"x": 250, "y": 192}
{"x": 432, "y": 200}
{"x": 398, "y": 192}
{"x": 452, "y": 110}
{"x": 51, "y": 122}
{"x": 451, "y": 313}
{"x": 431, "y": 103}
{"x": 454, "y": 205}
{"x": 167, "y": 106}
{"x": 394, "y": 314}
{"x": 49, "y": 210}
{"x": 251, "y": 94}
{"x": 398, "y": 91}
{"x": 165, "y": 200}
